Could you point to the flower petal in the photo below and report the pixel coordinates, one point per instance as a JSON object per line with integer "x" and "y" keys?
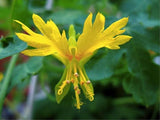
{"x": 91, "y": 34}
{"x": 99, "y": 22}
{"x": 114, "y": 28}
{"x": 48, "y": 29}
{"x": 25, "y": 28}
{"x": 39, "y": 52}
{"x": 88, "y": 24}
{"x": 119, "y": 40}
{"x": 37, "y": 40}
{"x": 51, "y": 31}
{"x": 51, "y": 39}
{"x": 95, "y": 37}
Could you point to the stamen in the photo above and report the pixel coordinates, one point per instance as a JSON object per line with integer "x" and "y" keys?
{"x": 82, "y": 82}
{"x": 60, "y": 91}
{"x": 79, "y": 103}
{"x": 67, "y": 81}
{"x": 72, "y": 80}
{"x": 75, "y": 88}
{"x": 76, "y": 74}
{"x": 78, "y": 91}
{"x": 88, "y": 82}
{"x": 90, "y": 93}
{"x": 88, "y": 90}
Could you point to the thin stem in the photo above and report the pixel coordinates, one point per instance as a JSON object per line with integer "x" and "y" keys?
{"x": 6, "y": 81}
{"x": 11, "y": 16}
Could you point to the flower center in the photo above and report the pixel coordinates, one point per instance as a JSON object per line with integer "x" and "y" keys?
{"x": 77, "y": 76}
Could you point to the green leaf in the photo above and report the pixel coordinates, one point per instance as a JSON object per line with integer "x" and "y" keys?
{"x": 65, "y": 17}
{"x": 59, "y": 98}
{"x": 134, "y": 6}
{"x": 143, "y": 84}
{"x": 103, "y": 67}
{"x": 23, "y": 71}
{"x": 14, "y": 45}
{"x": 147, "y": 22}
{"x": 146, "y": 38}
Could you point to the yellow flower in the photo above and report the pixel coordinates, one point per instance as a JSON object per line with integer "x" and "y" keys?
{"x": 73, "y": 53}
{"x": 1, "y": 76}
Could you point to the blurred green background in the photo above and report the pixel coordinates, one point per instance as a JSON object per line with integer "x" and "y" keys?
{"x": 126, "y": 81}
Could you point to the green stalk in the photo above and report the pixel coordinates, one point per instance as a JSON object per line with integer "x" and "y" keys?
{"x": 11, "y": 16}
{"x": 6, "y": 81}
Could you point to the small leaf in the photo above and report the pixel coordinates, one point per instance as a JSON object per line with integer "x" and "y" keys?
{"x": 101, "y": 68}
{"x": 143, "y": 84}
{"x": 14, "y": 46}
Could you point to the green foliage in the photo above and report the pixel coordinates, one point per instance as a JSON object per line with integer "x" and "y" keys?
{"x": 10, "y": 46}
{"x": 25, "y": 70}
{"x": 103, "y": 66}
{"x": 65, "y": 17}
{"x": 144, "y": 81}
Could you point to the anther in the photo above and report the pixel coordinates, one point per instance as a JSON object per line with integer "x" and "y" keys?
{"x": 67, "y": 81}
{"x": 88, "y": 82}
{"x": 78, "y": 91}
{"x": 82, "y": 82}
{"x": 76, "y": 74}
{"x": 75, "y": 88}
{"x": 72, "y": 80}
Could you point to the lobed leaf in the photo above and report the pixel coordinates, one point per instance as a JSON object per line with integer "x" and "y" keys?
{"x": 14, "y": 46}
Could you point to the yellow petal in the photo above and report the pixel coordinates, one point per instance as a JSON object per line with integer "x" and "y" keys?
{"x": 88, "y": 24}
{"x": 63, "y": 44}
{"x": 55, "y": 29}
{"x": 39, "y": 52}
{"x": 99, "y": 23}
{"x": 95, "y": 37}
{"x": 119, "y": 40}
{"x": 114, "y": 28}
{"x": 39, "y": 23}
{"x": 91, "y": 34}
{"x": 52, "y": 42}
{"x": 48, "y": 29}
{"x": 37, "y": 41}
{"x": 25, "y": 28}
{"x": 51, "y": 31}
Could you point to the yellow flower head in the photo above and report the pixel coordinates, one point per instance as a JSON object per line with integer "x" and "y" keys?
{"x": 73, "y": 53}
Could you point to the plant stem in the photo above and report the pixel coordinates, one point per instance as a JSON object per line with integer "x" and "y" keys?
{"x": 11, "y": 16}
{"x": 6, "y": 81}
